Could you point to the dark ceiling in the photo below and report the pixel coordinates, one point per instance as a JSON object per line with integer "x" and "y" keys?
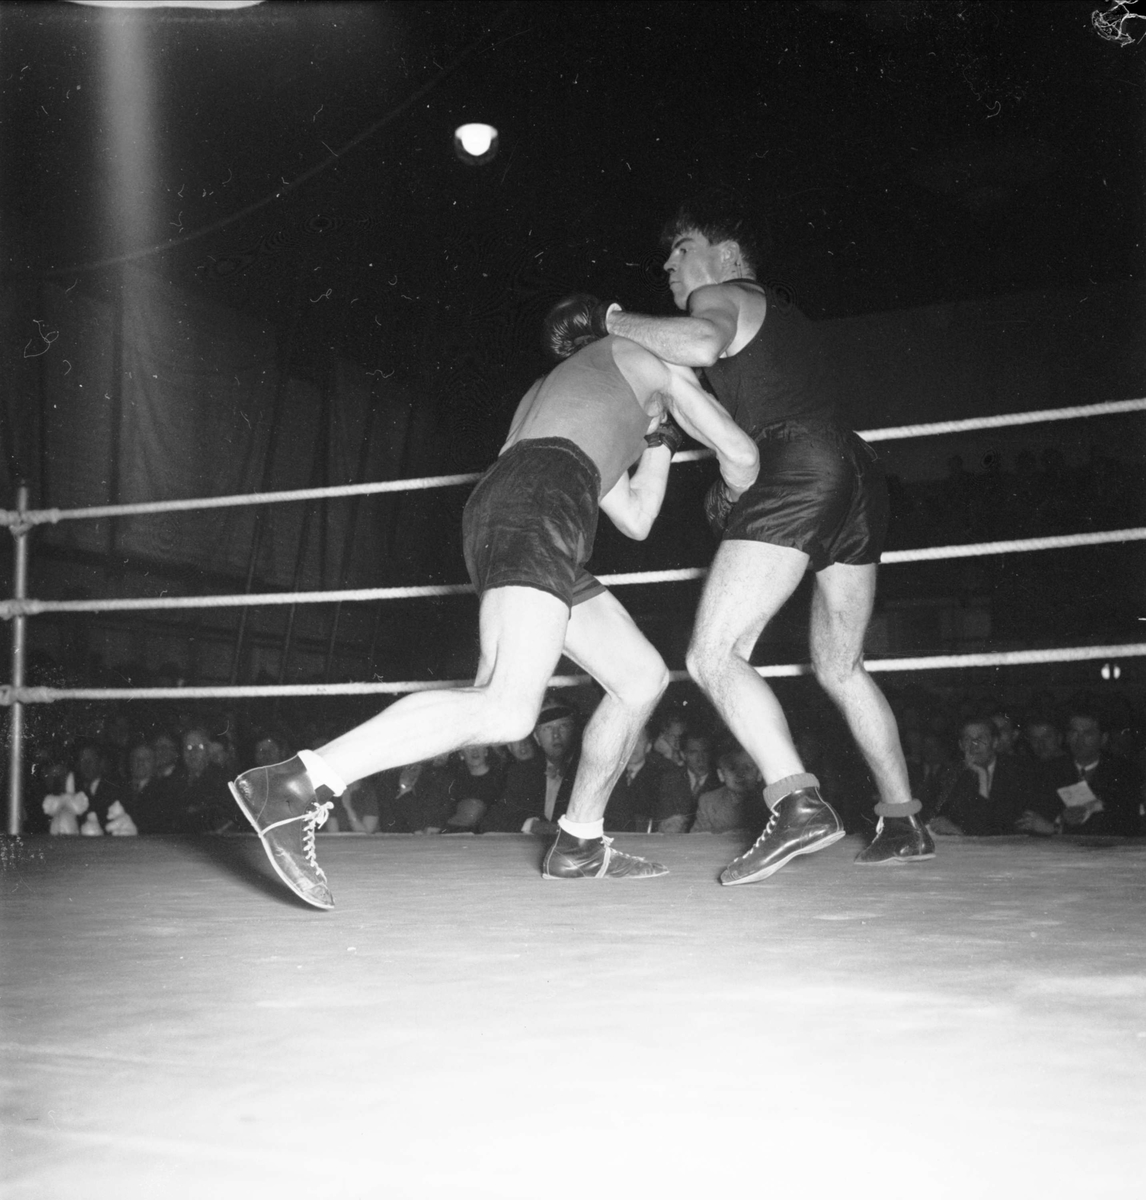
{"x": 294, "y": 160}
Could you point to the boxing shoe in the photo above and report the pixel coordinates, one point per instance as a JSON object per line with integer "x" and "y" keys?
{"x": 594, "y": 858}
{"x": 801, "y": 823}
{"x": 281, "y": 805}
{"x": 898, "y": 840}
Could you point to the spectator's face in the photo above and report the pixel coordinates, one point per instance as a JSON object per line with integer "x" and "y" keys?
{"x": 739, "y": 773}
{"x": 166, "y": 755}
{"x": 1005, "y": 733}
{"x": 142, "y": 763}
{"x": 978, "y": 743}
{"x": 671, "y": 733}
{"x": 268, "y": 752}
{"x": 195, "y": 752}
{"x": 697, "y": 756}
{"x": 1085, "y": 739}
{"x": 475, "y": 757}
{"x": 555, "y": 738}
{"x": 1044, "y": 740}
{"x": 522, "y": 750}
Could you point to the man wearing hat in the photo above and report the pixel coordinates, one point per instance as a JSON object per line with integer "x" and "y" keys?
{"x": 591, "y": 436}
{"x": 537, "y": 790}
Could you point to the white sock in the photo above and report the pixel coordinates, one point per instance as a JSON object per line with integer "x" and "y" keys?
{"x": 582, "y": 829}
{"x": 320, "y": 772}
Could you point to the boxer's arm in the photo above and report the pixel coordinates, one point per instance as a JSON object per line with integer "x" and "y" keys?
{"x": 705, "y": 419}
{"x": 635, "y": 499}
{"x": 697, "y": 340}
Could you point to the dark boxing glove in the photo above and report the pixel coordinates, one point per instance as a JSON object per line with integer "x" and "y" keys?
{"x": 718, "y": 504}
{"x": 572, "y": 323}
{"x": 667, "y": 433}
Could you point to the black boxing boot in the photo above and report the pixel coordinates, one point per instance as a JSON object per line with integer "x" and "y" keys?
{"x": 900, "y": 837}
{"x": 594, "y": 858}
{"x": 802, "y": 822}
{"x": 284, "y": 810}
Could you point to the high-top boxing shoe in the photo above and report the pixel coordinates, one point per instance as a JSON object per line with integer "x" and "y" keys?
{"x": 282, "y": 806}
{"x": 801, "y": 823}
{"x": 898, "y": 840}
{"x": 594, "y": 858}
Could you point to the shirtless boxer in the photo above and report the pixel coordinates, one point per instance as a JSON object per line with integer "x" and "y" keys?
{"x": 528, "y": 531}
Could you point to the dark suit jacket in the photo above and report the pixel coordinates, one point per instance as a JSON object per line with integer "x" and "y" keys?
{"x": 1014, "y": 790}
{"x": 525, "y": 795}
{"x": 107, "y": 792}
{"x": 658, "y": 790}
{"x": 1117, "y": 782}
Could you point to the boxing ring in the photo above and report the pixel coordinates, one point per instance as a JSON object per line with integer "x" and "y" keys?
{"x": 176, "y": 1024}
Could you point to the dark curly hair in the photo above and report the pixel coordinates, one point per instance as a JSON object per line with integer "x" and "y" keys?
{"x": 720, "y": 216}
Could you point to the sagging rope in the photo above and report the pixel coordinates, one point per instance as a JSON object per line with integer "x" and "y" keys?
{"x": 999, "y": 658}
{"x": 51, "y": 516}
{"x": 28, "y": 608}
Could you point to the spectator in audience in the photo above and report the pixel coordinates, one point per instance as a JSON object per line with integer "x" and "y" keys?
{"x": 270, "y": 746}
{"x": 926, "y": 772}
{"x": 696, "y": 748}
{"x": 537, "y": 791}
{"x": 139, "y": 808}
{"x": 478, "y": 782}
{"x": 221, "y": 753}
{"x": 416, "y": 798}
{"x": 1006, "y": 731}
{"x": 738, "y": 804}
{"x": 522, "y": 750}
{"x": 102, "y": 792}
{"x": 650, "y": 793}
{"x": 356, "y": 810}
{"x": 199, "y": 798}
{"x": 166, "y": 750}
{"x": 1043, "y": 738}
{"x": 1099, "y": 793}
{"x": 669, "y": 731}
{"x": 987, "y": 794}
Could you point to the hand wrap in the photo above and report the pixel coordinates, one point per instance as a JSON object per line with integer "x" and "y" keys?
{"x": 667, "y": 433}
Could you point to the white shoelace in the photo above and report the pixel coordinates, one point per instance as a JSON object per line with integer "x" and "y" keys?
{"x": 767, "y": 831}
{"x": 312, "y": 820}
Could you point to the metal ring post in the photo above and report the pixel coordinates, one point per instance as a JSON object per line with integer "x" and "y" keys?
{"x": 16, "y": 720}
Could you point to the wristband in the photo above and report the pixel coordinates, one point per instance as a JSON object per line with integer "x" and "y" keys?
{"x": 598, "y": 318}
{"x": 667, "y": 433}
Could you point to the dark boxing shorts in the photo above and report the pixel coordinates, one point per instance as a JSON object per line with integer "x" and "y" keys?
{"x": 531, "y": 520}
{"x": 821, "y": 489}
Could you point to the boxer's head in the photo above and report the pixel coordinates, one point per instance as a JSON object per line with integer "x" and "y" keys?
{"x": 569, "y": 326}
{"x": 709, "y": 240}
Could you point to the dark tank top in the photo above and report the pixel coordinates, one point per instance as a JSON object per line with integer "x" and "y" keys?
{"x": 783, "y": 374}
{"x": 587, "y": 400}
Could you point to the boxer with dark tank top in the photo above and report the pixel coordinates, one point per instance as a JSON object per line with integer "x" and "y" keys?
{"x": 819, "y": 503}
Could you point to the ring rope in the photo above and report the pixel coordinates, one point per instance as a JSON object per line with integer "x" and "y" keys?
{"x": 29, "y": 607}
{"x": 44, "y": 695}
{"x": 21, "y": 522}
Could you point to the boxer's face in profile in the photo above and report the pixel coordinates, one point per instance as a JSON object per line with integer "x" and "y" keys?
{"x": 693, "y": 262}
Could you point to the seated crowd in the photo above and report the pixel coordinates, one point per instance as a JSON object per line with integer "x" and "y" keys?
{"x": 979, "y": 774}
